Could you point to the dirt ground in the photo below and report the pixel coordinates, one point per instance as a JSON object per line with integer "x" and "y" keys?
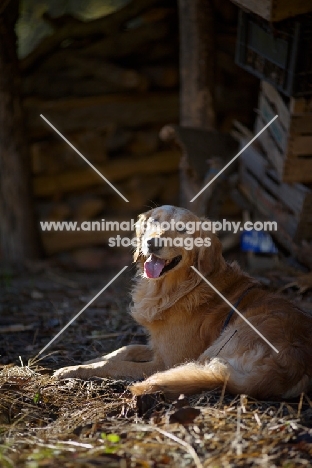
{"x": 44, "y": 423}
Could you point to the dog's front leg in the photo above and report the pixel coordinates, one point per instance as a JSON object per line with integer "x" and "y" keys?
{"x": 135, "y": 353}
{"x": 128, "y": 361}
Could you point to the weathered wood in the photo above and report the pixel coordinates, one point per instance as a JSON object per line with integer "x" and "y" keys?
{"x": 128, "y": 42}
{"x": 273, "y": 97}
{"x": 119, "y": 45}
{"x": 197, "y": 63}
{"x": 89, "y": 208}
{"x": 123, "y": 110}
{"x": 83, "y": 77}
{"x": 286, "y": 204}
{"x": 17, "y": 228}
{"x": 114, "y": 171}
{"x": 53, "y": 155}
{"x": 143, "y": 142}
{"x": 107, "y": 25}
{"x": 300, "y": 106}
{"x": 204, "y": 153}
{"x": 60, "y": 241}
{"x": 276, "y": 10}
{"x": 301, "y": 144}
{"x": 162, "y": 76}
{"x": 300, "y": 250}
{"x": 288, "y": 140}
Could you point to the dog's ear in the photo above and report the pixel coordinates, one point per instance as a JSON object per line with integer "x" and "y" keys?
{"x": 210, "y": 259}
{"x": 140, "y": 227}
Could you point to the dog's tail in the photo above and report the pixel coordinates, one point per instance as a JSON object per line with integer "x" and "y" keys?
{"x": 217, "y": 373}
{"x": 189, "y": 378}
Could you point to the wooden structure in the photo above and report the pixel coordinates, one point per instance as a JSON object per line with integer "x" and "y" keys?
{"x": 18, "y": 240}
{"x": 288, "y": 141}
{"x": 289, "y": 205}
{"x": 204, "y": 153}
{"x": 275, "y": 168}
{"x": 275, "y": 10}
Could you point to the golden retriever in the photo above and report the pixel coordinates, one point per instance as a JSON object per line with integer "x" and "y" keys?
{"x": 195, "y": 341}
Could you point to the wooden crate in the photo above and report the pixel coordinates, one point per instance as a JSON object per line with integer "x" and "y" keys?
{"x": 279, "y": 53}
{"x": 289, "y": 205}
{"x": 276, "y": 10}
{"x": 288, "y": 140}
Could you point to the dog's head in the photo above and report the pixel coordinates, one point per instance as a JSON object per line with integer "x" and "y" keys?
{"x": 171, "y": 240}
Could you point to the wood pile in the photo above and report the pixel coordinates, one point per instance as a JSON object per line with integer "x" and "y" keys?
{"x": 288, "y": 140}
{"x": 276, "y": 172}
{"x": 276, "y": 176}
{"x": 287, "y": 204}
{"x": 108, "y": 85}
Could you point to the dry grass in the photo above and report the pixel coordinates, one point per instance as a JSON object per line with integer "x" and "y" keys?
{"x": 73, "y": 423}
{"x": 98, "y": 423}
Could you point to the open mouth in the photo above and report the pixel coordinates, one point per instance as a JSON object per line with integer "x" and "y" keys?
{"x": 154, "y": 267}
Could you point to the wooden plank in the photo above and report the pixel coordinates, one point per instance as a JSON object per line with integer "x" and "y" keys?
{"x": 274, "y": 154}
{"x": 301, "y": 145}
{"x": 197, "y": 63}
{"x": 300, "y": 124}
{"x": 278, "y": 132}
{"x": 281, "y": 235}
{"x": 272, "y": 199}
{"x": 98, "y": 112}
{"x": 283, "y": 143}
{"x": 261, "y": 8}
{"x": 304, "y": 231}
{"x": 60, "y": 241}
{"x": 297, "y": 169}
{"x": 300, "y": 106}
{"x": 268, "y": 205}
{"x": 282, "y": 9}
{"x": 114, "y": 171}
{"x": 274, "y": 97}
{"x": 292, "y": 196}
{"x": 105, "y": 26}
{"x": 276, "y": 10}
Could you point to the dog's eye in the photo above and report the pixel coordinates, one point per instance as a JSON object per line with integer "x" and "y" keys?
{"x": 181, "y": 230}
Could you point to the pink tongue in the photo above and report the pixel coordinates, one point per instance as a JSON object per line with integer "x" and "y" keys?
{"x": 153, "y": 266}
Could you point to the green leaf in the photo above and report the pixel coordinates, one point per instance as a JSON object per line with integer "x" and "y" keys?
{"x": 114, "y": 438}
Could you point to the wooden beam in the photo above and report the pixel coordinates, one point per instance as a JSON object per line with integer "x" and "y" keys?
{"x": 197, "y": 63}
{"x": 125, "y": 110}
{"x": 114, "y": 171}
{"x": 106, "y": 25}
{"x": 60, "y": 241}
{"x": 17, "y": 228}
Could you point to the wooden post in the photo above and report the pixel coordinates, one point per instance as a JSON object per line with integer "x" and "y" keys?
{"x": 197, "y": 63}
{"x": 17, "y": 231}
{"x": 197, "y": 70}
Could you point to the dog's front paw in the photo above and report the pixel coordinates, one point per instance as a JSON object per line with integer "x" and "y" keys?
{"x": 70, "y": 372}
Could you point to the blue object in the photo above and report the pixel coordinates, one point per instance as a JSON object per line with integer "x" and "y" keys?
{"x": 258, "y": 242}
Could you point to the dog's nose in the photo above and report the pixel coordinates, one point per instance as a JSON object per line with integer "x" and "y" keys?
{"x": 153, "y": 244}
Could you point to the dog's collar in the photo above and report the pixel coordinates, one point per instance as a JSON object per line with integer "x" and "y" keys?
{"x": 230, "y": 314}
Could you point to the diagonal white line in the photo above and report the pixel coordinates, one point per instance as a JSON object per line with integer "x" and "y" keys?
{"x": 235, "y": 157}
{"x": 237, "y": 311}
{"x": 82, "y": 310}
{"x": 83, "y": 157}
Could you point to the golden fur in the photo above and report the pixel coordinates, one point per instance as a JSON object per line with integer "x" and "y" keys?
{"x": 188, "y": 351}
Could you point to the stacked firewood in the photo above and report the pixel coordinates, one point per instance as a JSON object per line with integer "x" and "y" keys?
{"x": 108, "y": 85}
